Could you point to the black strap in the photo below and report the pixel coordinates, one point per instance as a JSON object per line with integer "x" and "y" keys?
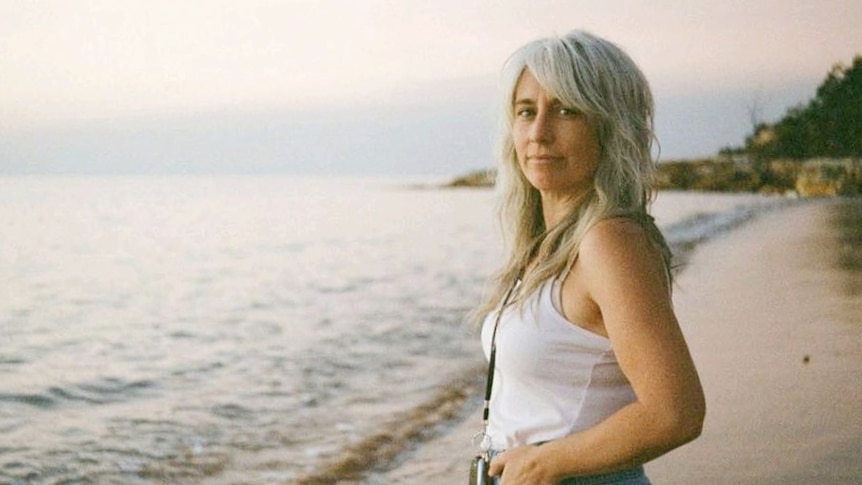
{"x": 489, "y": 383}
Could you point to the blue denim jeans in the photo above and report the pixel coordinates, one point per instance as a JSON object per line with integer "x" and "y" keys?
{"x": 632, "y": 476}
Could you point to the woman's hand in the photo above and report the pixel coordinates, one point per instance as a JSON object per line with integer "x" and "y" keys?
{"x": 521, "y": 466}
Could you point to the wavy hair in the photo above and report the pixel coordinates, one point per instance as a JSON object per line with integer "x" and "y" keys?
{"x": 599, "y": 79}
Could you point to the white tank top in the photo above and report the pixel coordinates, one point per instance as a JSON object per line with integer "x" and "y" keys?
{"x": 552, "y": 378}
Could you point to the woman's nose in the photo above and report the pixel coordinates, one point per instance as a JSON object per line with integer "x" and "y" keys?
{"x": 540, "y": 129}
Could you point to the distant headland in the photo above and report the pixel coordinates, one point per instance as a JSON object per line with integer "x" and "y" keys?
{"x": 808, "y": 178}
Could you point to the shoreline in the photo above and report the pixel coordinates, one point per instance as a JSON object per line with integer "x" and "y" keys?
{"x": 754, "y": 421}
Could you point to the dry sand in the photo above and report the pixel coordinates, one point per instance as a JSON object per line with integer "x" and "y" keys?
{"x": 773, "y": 315}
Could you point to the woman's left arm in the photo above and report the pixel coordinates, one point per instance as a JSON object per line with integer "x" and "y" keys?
{"x": 624, "y": 276}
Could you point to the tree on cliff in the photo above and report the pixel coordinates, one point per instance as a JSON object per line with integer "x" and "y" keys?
{"x": 830, "y": 125}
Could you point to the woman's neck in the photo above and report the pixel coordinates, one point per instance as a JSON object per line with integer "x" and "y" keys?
{"x": 556, "y": 207}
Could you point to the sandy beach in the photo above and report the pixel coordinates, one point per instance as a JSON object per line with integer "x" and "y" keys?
{"x": 774, "y": 321}
{"x": 773, "y": 315}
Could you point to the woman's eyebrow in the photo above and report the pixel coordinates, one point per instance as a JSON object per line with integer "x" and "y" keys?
{"x": 531, "y": 101}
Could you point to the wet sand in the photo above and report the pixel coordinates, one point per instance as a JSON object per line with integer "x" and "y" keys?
{"x": 773, "y": 315}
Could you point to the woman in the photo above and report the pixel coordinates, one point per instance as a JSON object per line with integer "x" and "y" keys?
{"x": 593, "y": 377}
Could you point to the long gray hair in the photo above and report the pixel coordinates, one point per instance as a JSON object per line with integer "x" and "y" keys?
{"x": 597, "y": 78}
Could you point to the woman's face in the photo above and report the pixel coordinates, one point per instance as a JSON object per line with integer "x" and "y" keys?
{"x": 557, "y": 148}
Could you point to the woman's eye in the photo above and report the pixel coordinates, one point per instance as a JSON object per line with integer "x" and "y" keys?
{"x": 568, "y": 112}
{"x": 525, "y": 113}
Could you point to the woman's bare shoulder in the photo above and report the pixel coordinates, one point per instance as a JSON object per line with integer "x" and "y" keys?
{"x": 617, "y": 236}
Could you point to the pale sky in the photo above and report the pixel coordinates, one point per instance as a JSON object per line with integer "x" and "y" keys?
{"x": 67, "y": 61}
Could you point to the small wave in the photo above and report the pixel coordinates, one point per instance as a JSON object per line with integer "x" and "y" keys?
{"x": 37, "y": 400}
{"x": 112, "y": 386}
{"x": 182, "y": 335}
{"x": 380, "y": 451}
{"x": 685, "y": 235}
{"x": 231, "y": 411}
{"x": 70, "y": 394}
{"x": 100, "y": 392}
{"x": 6, "y": 360}
{"x": 191, "y": 463}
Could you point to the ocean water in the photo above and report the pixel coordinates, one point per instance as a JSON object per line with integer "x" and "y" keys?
{"x": 246, "y": 330}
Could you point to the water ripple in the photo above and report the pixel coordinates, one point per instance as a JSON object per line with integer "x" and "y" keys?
{"x": 37, "y": 400}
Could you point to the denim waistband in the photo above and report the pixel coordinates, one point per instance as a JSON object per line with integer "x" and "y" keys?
{"x": 632, "y": 476}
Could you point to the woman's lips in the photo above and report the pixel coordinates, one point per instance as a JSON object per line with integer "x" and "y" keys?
{"x": 543, "y": 158}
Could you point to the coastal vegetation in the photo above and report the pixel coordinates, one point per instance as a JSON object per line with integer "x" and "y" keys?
{"x": 829, "y": 125}
{"x": 815, "y": 149}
